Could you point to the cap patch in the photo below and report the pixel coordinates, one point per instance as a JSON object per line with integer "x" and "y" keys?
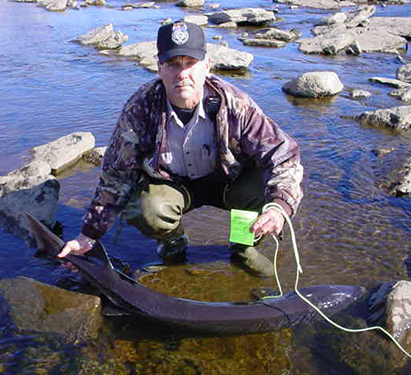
{"x": 179, "y": 34}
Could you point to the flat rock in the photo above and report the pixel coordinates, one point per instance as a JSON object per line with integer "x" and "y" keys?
{"x": 64, "y": 151}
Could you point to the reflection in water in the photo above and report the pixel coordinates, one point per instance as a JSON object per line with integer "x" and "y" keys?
{"x": 349, "y": 230}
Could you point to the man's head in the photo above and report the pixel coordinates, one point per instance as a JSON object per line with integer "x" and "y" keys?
{"x": 182, "y": 65}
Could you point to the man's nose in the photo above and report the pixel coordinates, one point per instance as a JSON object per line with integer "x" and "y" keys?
{"x": 183, "y": 71}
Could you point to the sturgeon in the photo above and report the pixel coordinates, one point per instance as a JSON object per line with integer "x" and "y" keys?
{"x": 205, "y": 317}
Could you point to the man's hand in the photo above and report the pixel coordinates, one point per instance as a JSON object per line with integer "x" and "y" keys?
{"x": 270, "y": 222}
{"x": 78, "y": 246}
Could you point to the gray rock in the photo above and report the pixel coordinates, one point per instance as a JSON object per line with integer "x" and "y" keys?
{"x": 276, "y": 34}
{"x": 329, "y": 30}
{"x": 360, "y": 94}
{"x": 190, "y": 3}
{"x": 264, "y": 43}
{"x": 390, "y": 82}
{"x": 198, "y": 20}
{"x": 319, "y": 4}
{"x": 314, "y": 85}
{"x": 357, "y": 17}
{"x": 245, "y": 16}
{"x": 225, "y": 58}
{"x": 37, "y": 195}
{"x": 38, "y": 307}
{"x": 53, "y": 5}
{"x": 336, "y": 18}
{"x": 398, "y": 118}
{"x": 403, "y": 73}
{"x": 64, "y": 151}
{"x": 103, "y": 37}
{"x": 398, "y": 312}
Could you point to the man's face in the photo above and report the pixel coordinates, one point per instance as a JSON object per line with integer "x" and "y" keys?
{"x": 183, "y": 78}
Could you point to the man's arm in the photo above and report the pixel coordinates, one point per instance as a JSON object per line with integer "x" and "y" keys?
{"x": 120, "y": 170}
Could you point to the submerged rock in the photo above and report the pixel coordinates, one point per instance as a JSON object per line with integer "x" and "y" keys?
{"x": 398, "y": 118}
{"x": 38, "y": 307}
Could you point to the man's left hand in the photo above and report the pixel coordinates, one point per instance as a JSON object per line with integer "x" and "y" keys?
{"x": 270, "y": 222}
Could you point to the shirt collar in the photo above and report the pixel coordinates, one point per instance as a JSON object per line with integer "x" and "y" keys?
{"x": 200, "y": 112}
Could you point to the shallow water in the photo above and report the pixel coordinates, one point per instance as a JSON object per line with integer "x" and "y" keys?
{"x": 349, "y": 230}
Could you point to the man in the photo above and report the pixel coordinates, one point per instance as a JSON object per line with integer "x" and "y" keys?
{"x": 189, "y": 139}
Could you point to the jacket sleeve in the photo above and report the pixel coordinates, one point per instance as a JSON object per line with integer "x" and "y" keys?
{"x": 277, "y": 155}
{"x": 120, "y": 170}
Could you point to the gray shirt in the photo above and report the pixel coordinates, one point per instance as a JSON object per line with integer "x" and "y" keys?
{"x": 191, "y": 148}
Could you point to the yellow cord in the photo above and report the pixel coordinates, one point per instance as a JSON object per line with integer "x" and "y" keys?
{"x": 299, "y": 270}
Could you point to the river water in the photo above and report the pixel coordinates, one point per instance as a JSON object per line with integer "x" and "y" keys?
{"x": 349, "y": 230}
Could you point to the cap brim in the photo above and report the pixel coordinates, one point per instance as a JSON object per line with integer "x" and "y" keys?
{"x": 198, "y": 54}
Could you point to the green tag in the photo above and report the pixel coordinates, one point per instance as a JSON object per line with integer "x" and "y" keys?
{"x": 241, "y": 222}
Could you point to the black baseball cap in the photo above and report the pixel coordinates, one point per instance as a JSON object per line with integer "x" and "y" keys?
{"x": 180, "y": 39}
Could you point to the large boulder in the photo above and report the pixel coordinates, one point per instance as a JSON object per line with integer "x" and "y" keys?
{"x": 37, "y": 307}
{"x": 314, "y": 85}
{"x": 397, "y": 118}
{"x": 65, "y": 150}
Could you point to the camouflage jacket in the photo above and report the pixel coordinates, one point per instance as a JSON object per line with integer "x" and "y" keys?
{"x": 244, "y": 133}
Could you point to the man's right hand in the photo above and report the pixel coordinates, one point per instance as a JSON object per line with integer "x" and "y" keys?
{"x": 78, "y": 246}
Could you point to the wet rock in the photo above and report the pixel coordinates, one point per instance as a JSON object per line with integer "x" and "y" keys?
{"x": 397, "y": 118}
{"x": 65, "y": 150}
{"x": 403, "y": 73}
{"x": 390, "y": 82}
{"x": 314, "y": 85}
{"x": 30, "y": 189}
{"x": 103, "y": 37}
{"x": 39, "y": 307}
{"x": 400, "y": 183}
{"x": 244, "y": 16}
{"x": 190, "y": 3}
